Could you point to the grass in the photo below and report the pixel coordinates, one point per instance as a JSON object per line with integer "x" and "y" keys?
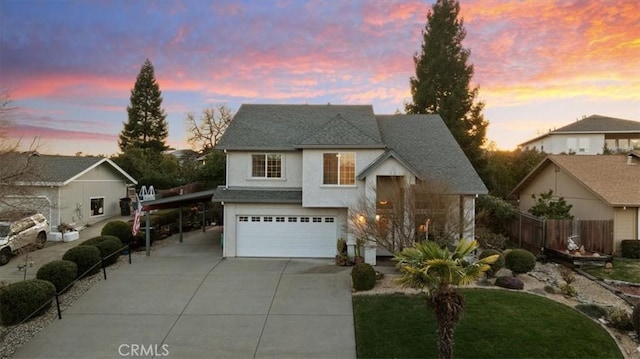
{"x": 497, "y": 324}
{"x": 624, "y": 269}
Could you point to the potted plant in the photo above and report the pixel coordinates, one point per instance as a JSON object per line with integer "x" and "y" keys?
{"x": 342, "y": 258}
{"x": 357, "y": 257}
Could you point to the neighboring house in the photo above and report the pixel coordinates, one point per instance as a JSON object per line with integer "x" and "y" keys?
{"x": 598, "y": 187}
{"x": 68, "y": 189}
{"x": 589, "y": 137}
{"x": 294, "y": 172}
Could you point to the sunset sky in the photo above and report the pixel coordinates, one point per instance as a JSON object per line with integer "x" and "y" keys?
{"x": 70, "y": 65}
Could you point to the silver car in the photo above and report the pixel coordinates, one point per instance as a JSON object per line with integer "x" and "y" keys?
{"x": 16, "y": 235}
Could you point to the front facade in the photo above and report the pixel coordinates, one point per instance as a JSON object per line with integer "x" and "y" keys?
{"x": 598, "y": 187}
{"x": 295, "y": 172}
{"x": 78, "y": 191}
{"x": 589, "y": 136}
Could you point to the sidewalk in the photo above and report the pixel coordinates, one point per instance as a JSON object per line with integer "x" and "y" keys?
{"x": 9, "y": 273}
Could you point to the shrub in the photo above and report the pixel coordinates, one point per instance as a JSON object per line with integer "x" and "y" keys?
{"x": 519, "y": 261}
{"x": 635, "y": 319}
{"x": 59, "y": 272}
{"x": 630, "y": 248}
{"x": 495, "y": 266}
{"x": 620, "y": 319}
{"x": 19, "y": 300}
{"x": 119, "y": 229}
{"x": 567, "y": 275}
{"x": 549, "y": 289}
{"x": 107, "y": 246}
{"x": 568, "y": 290}
{"x": 492, "y": 240}
{"x": 592, "y": 310}
{"x": 84, "y": 257}
{"x": 363, "y": 276}
{"x": 509, "y": 282}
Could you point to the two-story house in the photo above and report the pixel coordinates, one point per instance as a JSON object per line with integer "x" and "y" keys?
{"x": 589, "y": 136}
{"x": 295, "y": 171}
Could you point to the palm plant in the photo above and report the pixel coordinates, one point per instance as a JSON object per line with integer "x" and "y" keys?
{"x": 437, "y": 271}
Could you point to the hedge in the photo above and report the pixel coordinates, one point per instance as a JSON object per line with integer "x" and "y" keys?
{"x": 59, "y": 272}
{"x": 21, "y": 299}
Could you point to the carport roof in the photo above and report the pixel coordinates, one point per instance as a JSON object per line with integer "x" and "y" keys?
{"x": 177, "y": 201}
{"x": 257, "y": 195}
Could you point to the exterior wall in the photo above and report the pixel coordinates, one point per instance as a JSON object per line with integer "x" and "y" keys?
{"x": 586, "y": 205}
{"x": 315, "y": 194}
{"x": 390, "y": 167}
{"x": 232, "y": 210}
{"x": 468, "y": 204}
{"x": 559, "y": 143}
{"x": 239, "y": 170}
{"x": 625, "y": 225}
{"x": 75, "y": 197}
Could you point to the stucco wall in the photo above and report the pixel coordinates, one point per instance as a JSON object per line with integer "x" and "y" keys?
{"x": 239, "y": 170}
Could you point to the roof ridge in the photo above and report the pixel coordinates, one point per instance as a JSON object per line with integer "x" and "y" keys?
{"x": 328, "y": 127}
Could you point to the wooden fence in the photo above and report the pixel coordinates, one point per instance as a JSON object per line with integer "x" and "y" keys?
{"x": 532, "y": 233}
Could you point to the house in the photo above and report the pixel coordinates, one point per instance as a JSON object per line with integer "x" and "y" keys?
{"x": 589, "y": 136}
{"x": 294, "y": 173}
{"x": 599, "y": 188}
{"x": 73, "y": 190}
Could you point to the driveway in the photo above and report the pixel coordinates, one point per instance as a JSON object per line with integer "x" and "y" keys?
{"x": 185, "y": 301}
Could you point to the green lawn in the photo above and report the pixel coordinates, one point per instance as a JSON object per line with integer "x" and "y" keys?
{"x": 624, "y": 269}
{"x": 497, "y": 324}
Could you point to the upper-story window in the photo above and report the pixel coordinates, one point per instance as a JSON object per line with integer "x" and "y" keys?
{"x": 339, "y": 168}
{"x": 266, "y": 165}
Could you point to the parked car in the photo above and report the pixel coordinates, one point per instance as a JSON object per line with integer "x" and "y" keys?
{"x": 17, "y": 234}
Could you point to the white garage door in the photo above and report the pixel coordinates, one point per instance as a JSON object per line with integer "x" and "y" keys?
{"x": 286, "y": 236}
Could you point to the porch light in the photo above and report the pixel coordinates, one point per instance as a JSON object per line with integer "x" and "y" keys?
{"x": 362, "y": 219}
{"x": 383, "y": 202}
{"x": 377, "y": 217}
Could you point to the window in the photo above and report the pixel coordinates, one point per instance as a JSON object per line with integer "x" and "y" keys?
{"x": 317, "y": 219}
{"x": 243, "y": 219}
{"x": 268, "y": 219}
{"x": 339, "y": 168}
{"x": 255, "y": 219}
{"x": 279, "y": 219}
{"x": 292, "y": 219}
{"x": 304, "y": 219}
{"x": 97, "y": 206}
{"x": 328, "y": 220}
{"x": 266, "y": 165}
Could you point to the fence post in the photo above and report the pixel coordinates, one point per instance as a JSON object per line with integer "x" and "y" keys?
{"x": 129, "y": 251}
{"x": 58, "y": 306}
{"x": 104, "y": 269}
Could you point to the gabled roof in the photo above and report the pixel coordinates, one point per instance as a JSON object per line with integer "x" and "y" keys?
{"x": 427, "y": 145}
{"x": 594, "y": 124}
{"x": 609, "y": 177}
{"x": 55, "y": 170}
{"x": 289, "y": 127}
{"x": 381, "y": 159}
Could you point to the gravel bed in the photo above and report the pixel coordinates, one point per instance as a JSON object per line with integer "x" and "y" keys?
{"x": 13, "y": 338}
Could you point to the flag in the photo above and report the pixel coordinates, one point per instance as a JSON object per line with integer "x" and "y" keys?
{"x": 136, "y": 218}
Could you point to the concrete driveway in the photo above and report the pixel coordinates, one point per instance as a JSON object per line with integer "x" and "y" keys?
{"x": 185, "y": 301}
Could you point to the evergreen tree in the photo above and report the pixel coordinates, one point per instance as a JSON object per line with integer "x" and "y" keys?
{"x": 146, "y": 127}
{"x": 441, "y": 84}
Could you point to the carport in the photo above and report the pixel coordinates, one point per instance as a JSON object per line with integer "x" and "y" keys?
{"x": 180, "y": 201}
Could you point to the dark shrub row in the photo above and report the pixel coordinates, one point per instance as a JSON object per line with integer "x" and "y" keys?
{"x": 60, "y": 273}
{"x": 107, "y": 245}
{"x": 630, "y": 248}
{"x": 19, "y": 300}
{"x": 85, "y": 257}
{"x": 119, "y": 229}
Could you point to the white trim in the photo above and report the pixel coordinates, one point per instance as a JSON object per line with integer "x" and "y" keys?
{"x": 115, "y": 166}
{"x": 91, "y": 215}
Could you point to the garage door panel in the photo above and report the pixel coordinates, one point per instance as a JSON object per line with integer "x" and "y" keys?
{"x": 281, "y": 237}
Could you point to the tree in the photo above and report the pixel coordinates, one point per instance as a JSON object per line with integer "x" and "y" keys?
{"x": 438, "y": 271}
{"x": 549, "y": 208}
{"x": 505, "y": 169}
{"x": 212, "y": 124}
{"x": 146, "y": 127}
{"x": 442, "y": 81}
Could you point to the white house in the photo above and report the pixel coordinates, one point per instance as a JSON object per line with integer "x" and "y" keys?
{"x": 294, "y": 172}
{"x": 68, "y": 189}
{"x": 589, "y": 136}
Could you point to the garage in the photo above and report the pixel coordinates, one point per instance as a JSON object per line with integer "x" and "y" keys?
{"x": 286, "y": 236}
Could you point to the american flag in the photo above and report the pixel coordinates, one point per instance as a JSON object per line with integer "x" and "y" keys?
{"x": 136, "y": 218}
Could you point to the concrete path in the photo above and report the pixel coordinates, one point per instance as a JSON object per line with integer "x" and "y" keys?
{"x": 185, "y": 301}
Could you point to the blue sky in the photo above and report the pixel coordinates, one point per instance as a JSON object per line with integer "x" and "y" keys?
{"x": 70, "y": 65}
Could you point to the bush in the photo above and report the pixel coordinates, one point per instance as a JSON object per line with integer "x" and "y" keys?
{"x": 21, "y": 299}
{"x": 107, "y": 246}
{"x": 519, "y": 261}
{"x": 84, "y": 257}
{"x": 363, "y": 276}
{"x": 630, "y": 248}
{"x": 491, "y": 240}
{"x": 568, "y": 290}
{"x": 59, "y": 272}
{"x": 495, "y": 266}
{"x": 592, "y": 310}
{"x": 509, "y": 282}
{"x": 635, "y": 319}
{"x": 119, "y": 229}
{"x": 620, "y": 319}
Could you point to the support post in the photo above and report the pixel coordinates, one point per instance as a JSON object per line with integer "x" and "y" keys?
{"x": 148, "y": 232}
{"x": 180, "y": 224}
{"x": 204, "y": 212}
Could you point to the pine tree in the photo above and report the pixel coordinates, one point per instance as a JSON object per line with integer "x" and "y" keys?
{"x": 442, "y": 82}
{"x": 146, "y": 127}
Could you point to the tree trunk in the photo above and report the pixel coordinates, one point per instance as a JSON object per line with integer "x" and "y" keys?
{"x": 445, "y": 342}
{"x": 448, "y": 307}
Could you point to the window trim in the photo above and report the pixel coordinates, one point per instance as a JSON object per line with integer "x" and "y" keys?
{"x": 339, "y": 154}
{"x": 266, "y": 166}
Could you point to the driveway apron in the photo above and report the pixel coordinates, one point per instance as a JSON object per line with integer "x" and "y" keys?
{"x": 185, "y": 301}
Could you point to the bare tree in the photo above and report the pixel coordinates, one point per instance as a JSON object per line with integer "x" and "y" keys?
{"x": 206, "y": 131}
{"x": 399, "y": 214}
